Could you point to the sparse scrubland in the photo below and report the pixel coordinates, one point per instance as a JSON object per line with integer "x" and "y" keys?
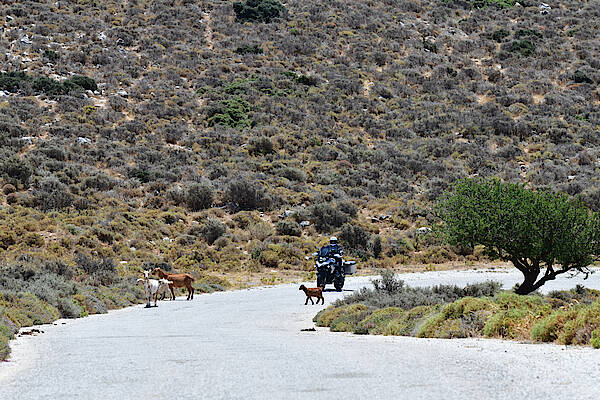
{"x": 225, "y": 138}
{"x": 570, "y": 317}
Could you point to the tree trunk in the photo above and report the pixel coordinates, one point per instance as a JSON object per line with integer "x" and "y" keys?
{"x": 528, "y": 284}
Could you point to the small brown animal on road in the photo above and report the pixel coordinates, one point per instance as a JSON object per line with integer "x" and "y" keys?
{"x": 313, "y": 292}
{"x": 178, "y": 280}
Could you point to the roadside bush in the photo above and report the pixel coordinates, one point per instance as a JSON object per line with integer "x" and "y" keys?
{"x": 69, "y": 308}
{"x": 390, "y": 292}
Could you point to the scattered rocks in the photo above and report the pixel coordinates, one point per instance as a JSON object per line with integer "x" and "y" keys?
{"x": 382, "y": 217}
{"x": 544, "y": 8}
{"x": 285, "y": 214}
{"x": 304, "y": 224}
{"x": 31, "y": 332}
{"x": 83, "y": 140}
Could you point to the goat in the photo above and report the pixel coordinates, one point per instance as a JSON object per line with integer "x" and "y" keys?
{"x": 150, "y": 288}
{"x": 178, "y": 280}
{"x": 163, "y": 287}
{"x": 313, "y": 292}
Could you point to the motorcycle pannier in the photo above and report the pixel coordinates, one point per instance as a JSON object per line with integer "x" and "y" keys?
{"x": 349, "y": 267}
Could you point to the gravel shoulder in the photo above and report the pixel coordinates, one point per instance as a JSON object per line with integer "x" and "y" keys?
{"x": 248, "y": 344}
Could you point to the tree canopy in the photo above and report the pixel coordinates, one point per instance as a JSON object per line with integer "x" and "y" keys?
{"x": 535, "y": 230}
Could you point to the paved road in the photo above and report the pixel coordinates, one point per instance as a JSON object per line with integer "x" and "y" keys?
{"x": 248, "y": 345}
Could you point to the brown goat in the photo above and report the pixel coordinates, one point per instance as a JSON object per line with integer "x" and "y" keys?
{"x": 178, "y": 280}
{"x": 313, "y": 292}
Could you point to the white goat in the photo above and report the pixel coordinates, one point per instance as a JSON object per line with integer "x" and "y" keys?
{"x": 163, "y": 287}
{"x": 150, "y": 288}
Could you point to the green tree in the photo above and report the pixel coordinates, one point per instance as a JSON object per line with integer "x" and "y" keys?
{"x": 535, "y": 230}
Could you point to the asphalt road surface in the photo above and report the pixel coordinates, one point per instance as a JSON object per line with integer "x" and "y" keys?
{"x": 249, "y": 345}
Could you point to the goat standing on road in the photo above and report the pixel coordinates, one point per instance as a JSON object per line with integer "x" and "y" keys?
{"x": 163, "y": 288}
{"x": 178, "y": 280}
{"x": 150, "y": 288}
{"x": 313, "y": 292}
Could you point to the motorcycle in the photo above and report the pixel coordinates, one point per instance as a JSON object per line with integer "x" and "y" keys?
{"x": 331, "y": 268}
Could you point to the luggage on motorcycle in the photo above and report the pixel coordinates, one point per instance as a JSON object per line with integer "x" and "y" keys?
{"x": 349, "y": 267}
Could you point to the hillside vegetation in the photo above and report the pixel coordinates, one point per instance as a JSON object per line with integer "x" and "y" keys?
{"x": 225, "y": 137}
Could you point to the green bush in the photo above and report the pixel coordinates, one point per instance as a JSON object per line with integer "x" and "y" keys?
{"x": 12, "y": 81}
{"x": 232, "y": 113}
{"x": 247, "y": 49}
{"x": 51, "y": 87}
{"x": 500, "y": 34}
{"x": 288, "y": 228}
{"x": 350, "y": 318}
{"x": 494, "y": 3}
{"x": 212, "y": 230}
{"x": 258, "y": 10}
{"x": 581, "y": 77}
{"x": 377, "y": 322}
{"x": 524, "y": 47}
{"x": 83, "y": 82}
